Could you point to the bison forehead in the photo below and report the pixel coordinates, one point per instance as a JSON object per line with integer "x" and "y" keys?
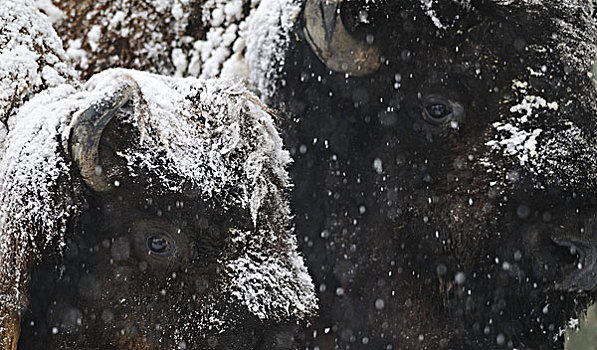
{"x": 211, "y": 135}
{"x": 541, "y": 64}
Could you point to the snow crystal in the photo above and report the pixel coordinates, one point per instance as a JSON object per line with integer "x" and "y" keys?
{"x": 427, "y": 6}
{"x": 515, "y": 136}
{"x": 519, "y": 143}
{"x": 221, "y": 51}
{"x": 35, "y": 192}
{"x": 378, "y": 165}
{"x": 180, "y": 61}
{"x": 93, "y": 37}
{"x": 77, "y": 54}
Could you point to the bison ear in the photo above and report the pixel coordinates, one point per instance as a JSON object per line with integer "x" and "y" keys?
{"x": 333, "y": 44}
{"x": 88, "y": 138}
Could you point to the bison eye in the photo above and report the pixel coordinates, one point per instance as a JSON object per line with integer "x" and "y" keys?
{"x": 438, "y": 110}
{"x": 159, "y": 245}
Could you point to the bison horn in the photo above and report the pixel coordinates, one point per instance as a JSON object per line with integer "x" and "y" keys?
{"x": 86, "y": 135}
{"x": 331, "y": 42}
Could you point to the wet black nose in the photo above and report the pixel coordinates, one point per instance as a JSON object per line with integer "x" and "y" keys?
{"x": 579, "y": 260}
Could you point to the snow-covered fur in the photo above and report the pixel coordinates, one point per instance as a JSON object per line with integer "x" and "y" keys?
{"x": 201, "y": 38}
{"x": 31, "y": 58}
{"x": 209, "y": 141}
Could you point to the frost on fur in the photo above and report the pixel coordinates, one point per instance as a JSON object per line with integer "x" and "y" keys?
{"x": 201, "y": 38}
{"x": 31, "y": 57}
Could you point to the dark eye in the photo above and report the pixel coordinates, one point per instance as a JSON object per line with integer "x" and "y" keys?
{"x": 159, "y": 245}
{"x": 438, "y": 110}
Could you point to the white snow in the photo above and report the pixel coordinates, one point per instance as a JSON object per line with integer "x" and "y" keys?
{"x": 515, "y": 136}
{"x": 24, "y": 70}
{"x": 519, "y": 143}
{"x": 54, "y": 13}
{"x": 269, "y": 29}
{"x": 93, "y": 37}
{"x": 77, "y": 54}
{"x": 221, "y": 51}
{"x": 180, "y": 62}
{"x": 239, "y": 44}
{"x": 427, "y": 6}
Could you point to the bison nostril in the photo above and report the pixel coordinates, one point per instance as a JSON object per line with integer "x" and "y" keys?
{"x": 581, "y": 275}
{"x": 566, "y": 252}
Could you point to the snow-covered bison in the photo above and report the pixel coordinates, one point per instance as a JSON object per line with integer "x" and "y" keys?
{"x": 445, "y": 162}
{"x": 139, "y": 211}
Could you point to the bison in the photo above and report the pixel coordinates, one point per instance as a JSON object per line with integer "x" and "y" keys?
{"x": 444, "y": 162}
{"x": 445, "y": 169}
{"x": 139, "y": 211}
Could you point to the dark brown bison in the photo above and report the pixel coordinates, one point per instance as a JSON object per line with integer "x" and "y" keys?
{"x": 139, "y": 211}
{"x": 445, "y": 167}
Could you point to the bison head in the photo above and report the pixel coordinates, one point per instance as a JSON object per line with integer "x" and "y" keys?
{"x": 145, "y": 212}
{"x": 445, "y": 168}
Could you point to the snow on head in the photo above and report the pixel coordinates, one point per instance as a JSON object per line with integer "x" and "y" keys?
{"x": 211, "y": 136}
{"x": 512, "y": 139}
{"x": 216, "y": 136}
{"x": 203, "y": 127}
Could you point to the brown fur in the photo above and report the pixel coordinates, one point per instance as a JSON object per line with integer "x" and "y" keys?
{"x": 10, "y": 330}
{"x": 125, "y": 44}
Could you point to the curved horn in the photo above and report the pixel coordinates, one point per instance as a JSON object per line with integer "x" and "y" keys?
{"x": 86, "y": 134}
{"x": 331, "y": 42}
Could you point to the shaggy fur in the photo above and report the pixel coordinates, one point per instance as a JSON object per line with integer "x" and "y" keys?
{"x": 200, "y": 159}
{"x": 442, "y": 235}
{"x": 429, "y": 234}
